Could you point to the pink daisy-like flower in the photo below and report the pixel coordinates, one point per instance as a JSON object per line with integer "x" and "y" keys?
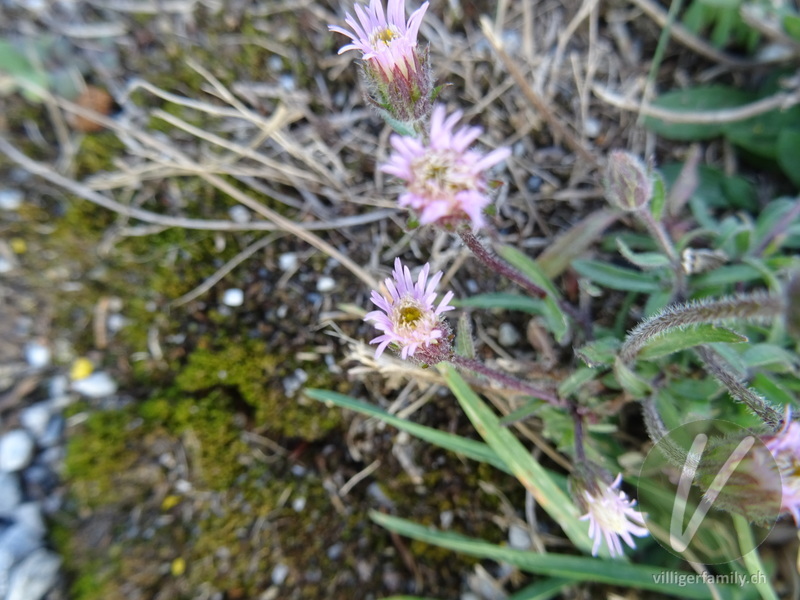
{"x": 785, "y": 449}
{"x": 385, "y": 40}
{"x": 611, "y": 516}
{"x": 407, "y": 317}
{"x": 445, "y": 180}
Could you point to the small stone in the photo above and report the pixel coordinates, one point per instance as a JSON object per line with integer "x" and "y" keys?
{"x": 37, "y": 355}
{"x": 30, "y": 515}
{"x": 96, "y": 385}
{"x": 287, "y": 261}
{"x": 239, "y": 214}
{"x": 298, "y": 504}
{"x": 16, "y": 450}
{"x": 233, "y": 297}
{"x": 10, "y": 493}
{"x": 34, "y": 576}
{"x": 508, "y": 335}
{"x": 11, "y": 199}
{"x": 279, "y": 574}
{"x": 326, "y": 284}
{"x": 591, "y": 127}
{"x": 335, "y": 551}
{"x": 518, "y": 537}
{"x": 5, "y": 265}
{"x": 59, "y": 386}
{"x": 52, "y": 434}
{"x": 35, "y": 418}
{"x": 446, "y": 518}
{"x": 19, "y": 540}
{"x": 116, "y": 322}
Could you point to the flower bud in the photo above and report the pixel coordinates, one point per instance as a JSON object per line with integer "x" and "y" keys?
{"x": 628, "y": 184}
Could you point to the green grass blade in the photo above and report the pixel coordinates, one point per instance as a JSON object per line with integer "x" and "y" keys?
{"x": 751, "y": 559}
{"x": 575, "y": 568}
{"x": 530, "y": 473}
{"x": 541, "y": 590}
{"x": 470, "y": 448}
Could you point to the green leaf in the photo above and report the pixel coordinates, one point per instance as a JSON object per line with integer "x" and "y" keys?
{"x": 576, "y": 568}
{"x": 469, "y": 448}
{"x": 523, "y": 412}
{"x": 575, "y": 381}
{"x": 617, "y": 278}
{"x": 659, "y": 200}
{"x": 727, "y": 275}
{"x": 537, "y": 480}
{"x": 789, "y": 154}
{"x": 715, "y": 188}
{"x": 541, "y": 590}
{"x": 503, "y": 301}
{"x": 759, "y": 134}
{"x": 630, "y": 381}
{"x": 791, "y": 25}
{"x": 676, "y": 340}
{"x": 599, "y": 353}
{"x": 701, "y": 98}
{"x": 465, "y": 345}
{"x": 770, "y": 357}
{"x": 643, "y": 260}
{"x": 529, "y": 267}
{"x": 571, "y": 244}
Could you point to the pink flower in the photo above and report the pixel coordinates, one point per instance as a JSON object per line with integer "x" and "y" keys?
{"x": 386, "y": 41}
{"x": 445, "y": 180}
{"x": 785, "y": 449}
{"x": 611, "y": 516}
{"x": 407, "y": 317}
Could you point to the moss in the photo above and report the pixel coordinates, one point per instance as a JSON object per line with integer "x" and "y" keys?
{"x": 247, "y": 370}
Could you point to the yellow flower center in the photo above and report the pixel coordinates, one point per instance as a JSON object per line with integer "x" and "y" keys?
{"x": 384, "y": 36}
{"x": 409, "y": 316}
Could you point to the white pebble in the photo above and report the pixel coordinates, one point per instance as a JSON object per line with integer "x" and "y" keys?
{"x": 10, "y": 493}
{"x": 239, "y": 214}
{"x": 326, "y": 284}
{"x": 591, "y": 127}
{"x": 233, "y": 297}
{"x": 16, "y": 450}
{"x": 10, "y": 199}
{"x": 37, "y": 355}
{"x": 287, "y": 261}
{"x": 507, "y": 335}
{"x": 280, "y": 573}
{"x": 5, "y": 265}
{"x": 298, "y": 504}
{"x": 518, "y": 537}
{"x": 97, "y": 385}
{"x": 34, "y": 576}
{"x": 116, "y": 322}
{"x": 35, "y": 418}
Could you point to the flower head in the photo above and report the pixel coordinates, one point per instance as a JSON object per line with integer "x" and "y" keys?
{"x": 407, "y": 316}
{"x": 611, "y": 516}
{"x": 785, "y": 449}
{"x": 398, "y": 77}
{"x": 445, "y": 179}
{"x": 387, "y": 41}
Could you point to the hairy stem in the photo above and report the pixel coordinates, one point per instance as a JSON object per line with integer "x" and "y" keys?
{"x": 497, "y": 264}
{"x": 721, "y": 371}
{"x": 505, "y": 379}
{"x": 757, "y": 305}
{"x": 662, "y": 237}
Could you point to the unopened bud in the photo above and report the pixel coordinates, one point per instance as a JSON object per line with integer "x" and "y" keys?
{"x": 628, "y": 184}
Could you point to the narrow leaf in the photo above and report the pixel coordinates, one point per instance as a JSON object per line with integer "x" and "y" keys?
{"x": 469, "y": 448}
{"x": 577, "y": 568}
{"x": 643, "y": 260}
{"x": 675, "y": 340}
{"x": 571, "y": 244}
{"x": 617, "y": 278}
{"x": 525, "y": 468}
